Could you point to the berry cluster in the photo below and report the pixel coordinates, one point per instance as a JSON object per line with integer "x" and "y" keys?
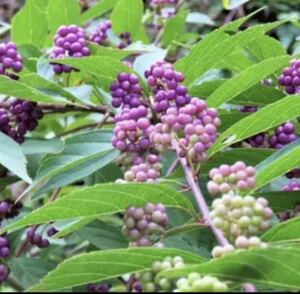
{"x": 157, "y": 3}
{"x": 151, "y": 281}
{"x": 197, "y": 124}
{"x": 285, "y": 215}
{"x": 132, "y": 130}
{"x": 237, "y": 177}
{"x": 241, "y": 242}
{"x": 195, "y": 283}
{"x": 126, "y": 91}
{"x": 9, "y": 209}
{"x": 144, "y": 226}
{"x": 236, "y": 216}
{"x": 144, "y": 170}
{"x": 70, "y": 41}
{"x": 292, "y": 186}
{"x": 19, "y": 118}
{"x": 99, "y": 288}
{"x": 100, "y": 34}
{"x": 4, "y": 247}
{"x": 290, "y": 78}
{"x": 125, "y": 40}
{"x": 10, "y": 60}
{"x": 165, "y": 83}
{"x": 283, "y": 135}
{"x": 36, "y": 239}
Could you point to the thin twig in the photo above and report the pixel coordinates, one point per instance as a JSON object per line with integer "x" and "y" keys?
{"x": 199, "y": 197}
{"x": 14, "y": 284}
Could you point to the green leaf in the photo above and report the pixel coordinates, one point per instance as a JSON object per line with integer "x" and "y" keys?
{"x": 174, "y": 28}
{"x": 30, "y": 25}
{"x": 102, "y": 265}
{"x": 34, "y": 146}
{"x": 210, "y": 51}
{"x": 48, "y": 87}
{"x": 109, "y": 52}
{"x": 265, "y": 47}
{"x": 236, "y": 61}
{"x": 127, "y": 17}
{"x": 104, "y": 236}
{"x": 99, "y": 9}
{"x": 12, "y": 157}
{"x": 83, "y": 154}
{"x": 103, "y": 199}
{"x": 245, "y": 80}
{"x": 14, "y": 88}
{"x": 67, "y": 227}
{"x": 277, "y": 267}
{"x": 281, "y": 162}
{"x": 257, "y": 95}
{"x": 29, "y": 271}
{"x": 268, "y": 117}
{"x": 63, "y": 12}
{"x": 288, "y": 230}
{"x": 105, "y": 69}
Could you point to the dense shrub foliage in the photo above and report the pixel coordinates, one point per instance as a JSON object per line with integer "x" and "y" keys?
{"x": 146, "y": 147}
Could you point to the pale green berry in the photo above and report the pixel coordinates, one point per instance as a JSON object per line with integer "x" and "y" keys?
{"x": 220, "y": 287}
{"x": 193, "y": 277}
{"x": 218, "y": 222}
{"x": 258, "y": 209}
{"x": 182, "y": 282}
{"x": 150, "y": 287}
{"x": 220, "y": 210}
{"x": 236, "y": 213}
{"x": 147, "y": 277}
{"x": 217, "y": 252}
{"x": 156, "y": 266}
{"x": 237, "y": 202}
{"x": 244, "y": 221}
{"x": 249, "y": 201}
{"x": 241, "y": 242}
{"x": 256, "y": 221}
{"x": 254, "y": 242}
{"x": 165, "y": 284}
{"x": 166, "y": 265}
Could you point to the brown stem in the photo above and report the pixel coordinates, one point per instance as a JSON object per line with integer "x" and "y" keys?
{"x": 14, "y": 284}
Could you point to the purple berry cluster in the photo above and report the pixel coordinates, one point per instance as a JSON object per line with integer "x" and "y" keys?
{"x": 165, "y": 83}
{"x": 4, "y": 247}
{"x": 126, "y": 91}
{"x": 286, "y": 215}
{"x": 70, "y": 41}
{"x": 236, "y": 177}
{"x": 9, "y": 209}
{"x": 99, "y": 288}
{"x": 282, "y": 135}
{"x": 10, "y": 60}
{"x": 144, "y": 225}
{"x": 235, "y": 215}
{"x": 100, "y": 34}
{"x": 159, "y": 3}
{"x": 125, "y": 40}
{"x": 36, "y": 239}
{"x": 19, "y": 118}
{"x": 290, "y": 78}
{"x": 197, "y": 124}
{"x": 144, "y": 170}
{"x": 132, "y": 130}
{"x": 292, "y": 186}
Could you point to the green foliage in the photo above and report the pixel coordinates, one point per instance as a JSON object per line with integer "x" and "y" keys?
{"x": 67, "y": 174}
